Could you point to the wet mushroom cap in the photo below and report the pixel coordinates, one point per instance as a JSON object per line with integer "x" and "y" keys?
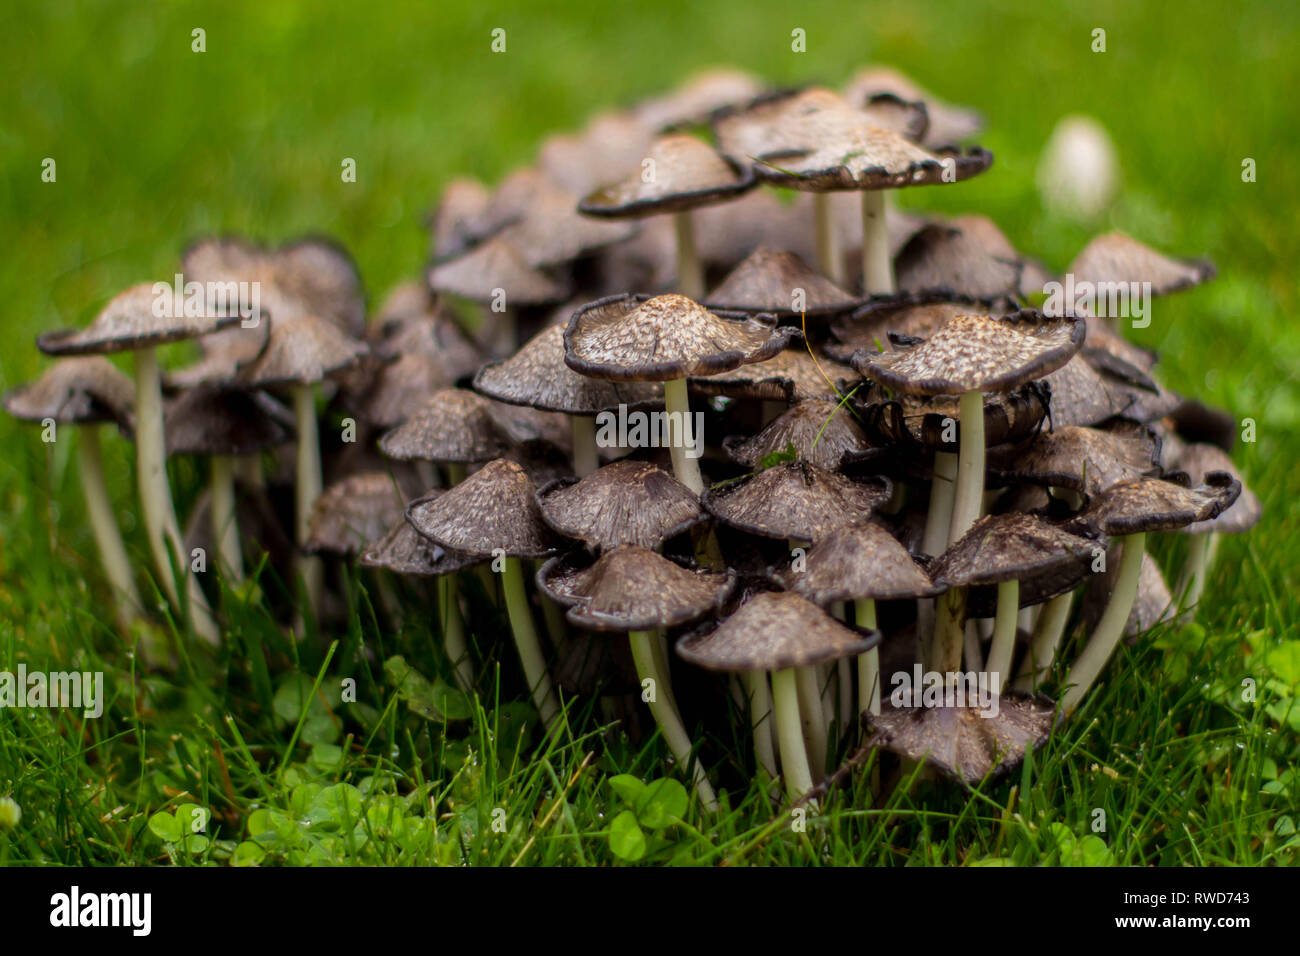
{"x": 1115, "y": 258}
{"x": 822, "y": 434}
{"x": 858, "y": 562}
{"x": 129, "y": 321}
{"x": 699, "y": 97}
{"x": 1199, "y": 460}
{"x": 456, "y": 222}
{"x": 83, "y": 390}
{"x": 791, "y": 375}
{"x": 1016, "y": 547}
{"x": 1157, "y": 504}
{"x": 1082, "y": 396}
{"x": 1086, "y": 460}
{"x": 766, "y": 281}
{"x": 948, "y": 123}
{"x": 552, "y": 231}
{"x": 494, "y": 509}
{"x": 453, "y": 425}
{"x": 623, "y": 503}
{"x": 967, "y": 256}
{"x": 403, "y": 550}
{"x": 493, "y": 268}
{"x": 302, "y": 349}
{"x": 351, "y": 513}
{"x": 687, "y": 173}
{"x": 213, "y": 420}
{"x": 920, "y": 317}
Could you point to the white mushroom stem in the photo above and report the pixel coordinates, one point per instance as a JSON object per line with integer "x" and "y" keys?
{"x": 225, "y": 526}
{"x": 968, "y": 498}
{"x": 308, "y": 489}
{"x": 789, "y": 734}
{"x": 690, "y": 273}
{"x": 760, "y": 719}
{"x": 1191, "y": 583}
{"x": 877, "y": 267}
{"x": 453, "y": 633}
{"x": 934, "y": 540}
{"x": 828, "y": 244}
{"x": 586, "y": 457}
{"x": 949, "y": 631}
{"x": 971, "y": 642}
{"x": 814, "y": 719}
{"x": 677, "y": 404}
{"x": 666, "y": 716}
{"x": 160, "y": 523}
{"x": 525, "y": 635}
{"x": 1048, "y": 631}
{"x": 1004, "y": 633}
{"x": 1110, "y": 628}
{"x": 868, "y": 662}
{"x": 108, "y": 539}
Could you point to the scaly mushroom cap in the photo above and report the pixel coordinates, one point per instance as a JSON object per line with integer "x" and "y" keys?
{"x": 75, "y": 391}
{"x": 403, "y": 550}
{"x": 454, "y": 426}
{"x": 492, "y": 268}
{"x": 1082, "y": 396}
{"x": 766, "y": 282}
{"x": 698, "y": 98}
{"x": 783, "y": 122}
{"x": 212, "y": 420}
{"x": 822, "y": 434}
{"x": 351, "y": 513}
{"x": 967, "y": 256}
{"x": 772, "y": 631}
{"x": 1114, "y": 257}
{"x": 978, "y": 353}
{"x": 627, "y": 338}
{"x": 933, "y": 421}
{"x": 129, "y": 321}
{"x": 610, "y": 146}
{"x": 224, "y": 354}
{"x": 496, "y": 507}
{"x": 1086, "y": 460}
{"x": 686, "y": 173}
{"x": 1199, "y": 460}
{"x": 962, "y": 742}
{"x": 858, "y": 562}
{"x": 302, "y": 349}
{"x": 623, "y": 503}
{"x": 552, "y": 231}
{"x": 1156, "y": 504}
{"x": 795, "y": 500}
{"x": 874, "y": 324}
{"x": 537, "y": 376}
{"x": 792, "y": 375}
{"x": 948, "y": 123}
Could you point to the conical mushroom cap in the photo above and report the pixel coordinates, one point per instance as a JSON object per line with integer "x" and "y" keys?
{"x": 791, "y": 375}
{"x": 494, "y": 508}
{"x": 1082, "y": 396}
{"x": 872, "y": 326}
{"x": 858, "y": 562}
{"x": 552, "y": 230}
{"x": 966, "y": 256}
{"x": 302, "y": 349}
{"x": 129, "y": 322}
{"x": 822, "y": 434}
{"x": 636, "y": 589}
{"x": 403, "y": 550}
{"x": 767, "y": 282}
{"x": 1086, "y": 460}
{"x": 454, "y": 426}
{"x": 491, "y": 268}
{"x": 609, "y": 147}
{"x": 385, "y": 394}
{"x": 961, "y": 741}
{"x": 623, "y": 503}
{"x": 796, "y": 501}
{"x": 1114, "y": 257}
{"x": 224, "y": 354}
{"x": 1199, "y": 460}
{"x": 1015, "y": 547}
{"x": 456, "y": 222}
{"x": 634, "y": 339}
{"x": 1155, "y": 504}
{"x": 698, "y": 98}
{"x": 211, "y": 420}
{"x": 978, "y": 353}
{"x": 537, "y": 376}
{"x": 948, "y": 123}
{"x": 351, "y": 513}
{"x": 75, "y": 391}
{"x": 772, "y": 631}
{"x": 687, "y": 173}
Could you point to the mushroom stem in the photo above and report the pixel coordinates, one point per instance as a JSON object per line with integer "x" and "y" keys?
{"x": 248, "y": 469}
{"x": 935, "y": 537}
{"x": 308, "y": 489}
{"x": 677, "y": 404}
{"x": 971, "y": 643}
{"x": 760, "y": 719}
{"x": 108, "y": 539}
{"x": 586, "y": 458}
{"x": 525, "y": 635}
{"x": 869, "y": 662}
{"x": 949, "y": 631}
{"x": 828, "y": 246}
{"x": 690, "y": 274}
{"x": 877, "y": 267}
{"x": 968, "y": 498}
{"x": 844, "y": 685}
{"x": 1042, "y": 647}
{"x": 225, "y": 526}
{"x": 156, "y": 495}
{"x": 1191, "y": 584}
{"x": 666, "y": 716}
{"x": 814, "y": 718}
{"x": 1004, "y": 632}
{"x": 789, "y": 734}
{"x": 453, "y": 633}
{"x": 1111, "y": 626}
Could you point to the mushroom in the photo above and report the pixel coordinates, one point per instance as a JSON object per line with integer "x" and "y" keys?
{"x": 456, "y": 223}
{"x": 1116, "y": 258}
{"x": 821, "y": 433}
{"x": 1198, "y": 460}
{"x": 967, "y": 256}
{"x": 700, "y": 96}
{"x": 608, "y": 147}
{"x": 454, "y": 427}
{"x": 87, "y": 392}
{"x": 947, "y": 123}
{"x": 792, "y": 375}
{"x": 1085, "y": 461}
{"x": 767, "y": 281}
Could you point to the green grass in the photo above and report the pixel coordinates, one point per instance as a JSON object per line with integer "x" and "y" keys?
{"x": 155, "y": 144}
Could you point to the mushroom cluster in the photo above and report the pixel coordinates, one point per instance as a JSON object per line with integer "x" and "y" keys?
{"x": 698, "y": 434}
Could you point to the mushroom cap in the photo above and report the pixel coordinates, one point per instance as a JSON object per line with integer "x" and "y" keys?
{"x": 491, "y": 268}
{"x": 129, "y": 321}
{"x": 1045, "y": 558}
{"x": 552, "y": 231}
{"x": 686, "y": 173}
{"x": 1159, "y": 504}
{"x": 82, "y": 390}
{"x": 302, "y": 349}
{"x": 454, "y": 425}
{"x": 772, "y": 631}
{"x": 608, "y": 147}
{"x": 384, "y": 394}
{"x": 960, "y": 741}
{"x": 214, "y": 420}
{"x": 1199, "y": 460}
{"x": 791, "y": 375}
{"x": 624, "y": 503}
{"x": 783, "y": 121}
{"x": 924, "y": 419}
{"x": 1086, "y": 460}
{"x": 861, "y": 561}
{"x": 628, "y": 338}
{"x": 1082, "y": 396}
{"x": 795, "y": 500}
{"x": 457, "y": 221}
{"x": 1115, "y": 257}
{"x": 403, "y": 550}
{"x": 695, "y": 100}
{"x": 351, "y": 513}
{"x": 915, "y": 317}
{"x": 978, "y": 353}
{"x": 822, "y": 434}
{"x": 537, "y": 376}
{"x": 224, "y": 354}
{"x": 494, "y": 508}
{"x": 766, "y": 282}
{"x": 969, "y": 256}
{"x": 948, "y": 123}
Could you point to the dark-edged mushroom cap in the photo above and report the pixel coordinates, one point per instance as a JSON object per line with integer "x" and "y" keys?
{"x": 791, "y": 375}
{"x": 627, "y": 338}
{"x": 822, "y": 434}
{"x": 496, "y": 507}
{"x": 1199, "y": 460}
{"x": 933, "y": 421}
{"x": 403, "y": 550}
{"x": 1159, "y": 504}
{"x": 1196, "y": 422}
{"x": 609, "y": 146}
{"x": 772, "y": 631}
{"x": 1103, "y": 342}
{"x": 495, "y": 267}
{"x": 686, "y": 173}
{"x": 861, "y": 561}
{"x": 1086, "y": 460}
{"x": 782, "y": 121}
{"x": 766, "y": 281}
{"x": 457, "y": 221}
{"x": 795, "y": 500}
{"x": 213, "y": 420}
{"x": 1114, "y": 257}
{"x": 977, "y": 353}
{"x": 695, "y": 100}
{"x": 870, "y": 327}
{"x": 948, "y": 123}
{"x": 961, "y": 741}
{"x": 224, "y": 354}
{"x": 969, "y": 256}
{"x": 455, "y": 425}
{"x": 552, "y": 231}
{"x": 130, "y": 320}
{"x": 75, "y": 391}
{"x": 537, "y": 376}
{"x": 624, "y": 503}
{"x": 1083, "y": 396}
{"x": 351, "y": 513}
{"x": 302, "y": 349}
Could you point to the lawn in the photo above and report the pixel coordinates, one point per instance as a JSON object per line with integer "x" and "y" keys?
{"x": 156, "y": 144}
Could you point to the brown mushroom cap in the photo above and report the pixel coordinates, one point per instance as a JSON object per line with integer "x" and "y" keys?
{"x": 552, "y": 231}
{"x": 822, "y": 434}
{"x": 455, "y": 425}
{"x": 351, "y": 513}
{"x": 791, "y": 375}
{"x": 75, "y": 391}
{"x": 947, "y": 123}
{"x": 491, "y": 268}
{"x": 608, "y": 147}
{"x": 457, "y": 220}
{"x": 858, "y": 562}
{"x": 918, "y": 317}
{"x": 766, "y": 282}
{"x": 698, "y": 98}
{"x": 624, "y": 503}
{"x": 1082, "y": 396}
{"x": 212, "y": 420}
{"x": 925, "y": 419}
{"x": 1114, "y": 257}
{"x": 494, "y": 508}
{"x": 687, "y": 173}
{"x": 970, "y": 256}
{"x": 1199, "y": 460}
{"x": 224, "y": 354}
{"x": 1155, "y": 504}
{"x": 772, "y": 631}
{"x": 403, "y": 550}
{"x": 628, "y": 338}
{"x": 1086, "y": 460}
{"x": 129, "y": 322}
{"x": 795, "y": 500}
